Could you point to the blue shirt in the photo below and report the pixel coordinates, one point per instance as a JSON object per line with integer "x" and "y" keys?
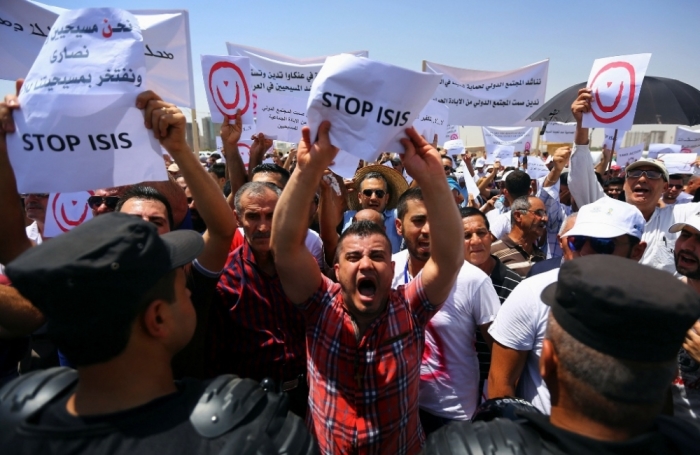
{"x": 389, "y": 224}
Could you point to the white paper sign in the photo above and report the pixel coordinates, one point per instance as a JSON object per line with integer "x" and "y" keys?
{"x": 24, "y": 26}
{"x": 471, "y": 185}
{"x": 272, "y": 72}
{"x": 559, "y": 132}
{"x": 454, "y": 147}
{"x": 345, "y": 165}
{"x": 519, "y": 137}
{"x": 656, "y": 149}
{"x": 227, "y": 85}
{"x": 609, "y": 138}
{"x": 79, "y": 127}
{"x": 616, "y": 83}
{"x": 688, "y": 139}
{"x": 64, "y": 211}
{"x": 244, "y": 150}
{"x": 482, "y": 98}
{"x": 282, "y": 115}
{"x": 219, "y": 145}
{"x": 629, "y": 155}
{"x": 366, "y": 103}
{"x": 679, "y": 163}
{"x": 432, "y": 120}
{"x": 536, "y": 167}
{"x": 502, "y": 153}
{"x": 452, "y": 132}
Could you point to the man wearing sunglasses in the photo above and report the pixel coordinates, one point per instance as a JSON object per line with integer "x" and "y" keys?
{"x": 606, "y": 227}
{"x": 675, "y": 194}
{"x": 105, "y": 200}
{"x": 646, "y": 180}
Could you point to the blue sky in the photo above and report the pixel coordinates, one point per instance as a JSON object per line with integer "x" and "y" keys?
{"x": 486, "y": 35}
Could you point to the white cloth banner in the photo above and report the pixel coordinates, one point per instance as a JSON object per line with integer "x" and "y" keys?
{"x": 502, "y": 153}
{"x": 282, "y": 115}
{"x": 688, "y": 139}
{"x": 536, "y": 167}
{"x": 280, "y": 73}
{"x": 559, "y": 132}
{"x": 227, "y": 85}
{"x": 679, "y": 163}
{"x": 482, "y": 98}
{"x": 431, "y": 121}
{"x": 616, "y": 83}
{"x": 629, "y": 155}
{"x": 366, "y": 103}
{"x": 79, "y": 128}
{"x": 454, "y": 147}
{"x": 519, "y": 137}
{"x": 24, "y": 26}
{"x": 661, "y": 149}
{"x": 64, "y": 211}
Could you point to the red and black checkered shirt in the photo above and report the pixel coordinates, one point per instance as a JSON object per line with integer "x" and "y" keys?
{"x": 364, "y": 394}
{"x": 258, "y": 332}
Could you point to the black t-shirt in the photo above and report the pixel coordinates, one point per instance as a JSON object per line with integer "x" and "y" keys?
{"x": 161, "y": 426}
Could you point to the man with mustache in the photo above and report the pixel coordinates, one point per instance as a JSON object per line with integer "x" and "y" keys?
{"x": 646, "y": 181}
{"x": 517, "y": 249}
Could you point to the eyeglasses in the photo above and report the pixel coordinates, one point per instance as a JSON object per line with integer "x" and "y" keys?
{"x": 541, "y": 212}
{"x": 600, "y": 246}
{"x": 654, "y": 175}
{"x": 678, "y": 187}
{"x": 368, "y": 193}
{"x": 110, "y": 201}
{"x": 39, "y": 195}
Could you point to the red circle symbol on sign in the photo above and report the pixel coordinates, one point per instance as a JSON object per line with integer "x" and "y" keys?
{"x": 686, "y": 150}
{"x": 611, "y": 80}
{"x": 244, "y": 151}
{"x": 70, "y": 211}
{"x": 228, "y": 88}
{"x": 454, "y": 137}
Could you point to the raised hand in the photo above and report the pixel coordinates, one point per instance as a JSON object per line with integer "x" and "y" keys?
{"x": 318, "y": 155}
{"x": 421, "y": 159}
{"x": 166, "y": 120}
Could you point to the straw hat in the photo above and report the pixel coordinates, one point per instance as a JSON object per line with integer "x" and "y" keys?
{"x": 395, "y": 181}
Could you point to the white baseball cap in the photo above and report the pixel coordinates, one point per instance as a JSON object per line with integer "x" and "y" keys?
{"x": 649, "y": 162}
{"x": 607, "y": 218}
{"x": 693, "y": 222}
{"x": 480, "y": 162}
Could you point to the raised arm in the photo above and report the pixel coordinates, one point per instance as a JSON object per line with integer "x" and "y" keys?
{"x": 235, "y": 169}
{"x": 168, "y": 124}
{"x": 257, "y": 152}
{"x": 297, "y": 268}
{"x": 422, "y": 162}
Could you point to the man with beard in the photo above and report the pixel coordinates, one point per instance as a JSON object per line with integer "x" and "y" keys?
{"x": 517, "y": 249}
{"x": 686, "y": 386}
{"x": 645, "y": 182}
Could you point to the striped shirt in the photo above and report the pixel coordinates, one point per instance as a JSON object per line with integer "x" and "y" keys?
{"x": 514, "y": 257}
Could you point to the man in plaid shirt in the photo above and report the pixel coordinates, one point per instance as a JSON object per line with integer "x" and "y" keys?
{"x": 365, "y": 341}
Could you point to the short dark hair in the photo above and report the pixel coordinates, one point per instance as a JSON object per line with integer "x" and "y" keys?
{"x": 411, "y": 194}
{"x": 374, "y": 175}
{"x": 361, "y": 229}
{"x": 466, "y": 212}
{"x": 271, "y": 168}
{"x": 518, "y": 184}
{"x": 219, "y": 169}
{"x": 675, "y": 177}
{"x": 615, "y": 181}
{"x": 448, "y": 157}
{"x": 147, "y": 193}
{"x": 101, "y": 341}
{"x": 216, "y": 156}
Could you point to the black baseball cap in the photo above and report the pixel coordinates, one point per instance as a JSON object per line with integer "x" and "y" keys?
{"x": 99, "y": 271}
{"x": 622, "y": 308}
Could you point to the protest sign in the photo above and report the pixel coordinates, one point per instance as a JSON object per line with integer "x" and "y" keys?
{"x": 482, "y": 98}
{"x": 282, "y": 115}
{"x": 519, "y": 137}
{"x": 227, "y": 85}
{"x": 64, "y": 211}
{"x": 166, "y": 38}
{"x": 79, "y": 127}
{"x": 470, "y": 185}
{"x": 688, "y": 139}
{"x": 536, "y": 167}
{"x": 656, "y": 149}
{"x": 452, "y": 132}
{"x": 345, "y": 164}
{"x": 609, "y": 138}
{"x": 559, "y": 132}
{"x": 282, "y": 74}
{"x": 502, "y": 153}
{"x": 615, "y": 83}
{"x": 366, "y": 103}
{"x": 628, "y": 155}
{"x": 454, "y": 147}
{"x": 679, "y": 163}
{"x": 432, "y": 120}
{"x": 244, "y": 150}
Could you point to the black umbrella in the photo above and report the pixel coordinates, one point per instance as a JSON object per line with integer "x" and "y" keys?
{"x": 661, "y": 100}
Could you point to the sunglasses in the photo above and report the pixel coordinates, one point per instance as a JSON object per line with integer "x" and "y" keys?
{"x": 678, "y": 187}
{"x": 39, "y": 195}
{"x": 380, "y": 193}
{"x": 96, "y": 201}
{"x": 654, "y": 175}
{"x": 600, "y": 246}
{"x": 448, "y": 168}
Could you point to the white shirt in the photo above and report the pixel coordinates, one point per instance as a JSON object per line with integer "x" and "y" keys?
{"x": 449, "y": 374}
{"x": 584, "y": 188}
{"x": 521, "y": 324}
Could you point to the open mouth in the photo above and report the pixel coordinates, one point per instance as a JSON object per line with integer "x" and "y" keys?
{"x": 367, "y": 287}
{"x": 640, "y": 191}
{"x": 687, "y": 260}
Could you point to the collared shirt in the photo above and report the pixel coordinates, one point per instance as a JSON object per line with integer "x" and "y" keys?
{"x": 364, "y": 394}
{"x": 514, "y": 257}
{"x": 259, "y": 331}
{"x": 556, "y": 214}
{"x": 389, "y": 224}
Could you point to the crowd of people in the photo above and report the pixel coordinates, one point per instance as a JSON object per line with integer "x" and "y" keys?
{"x": 393, "y": 312}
